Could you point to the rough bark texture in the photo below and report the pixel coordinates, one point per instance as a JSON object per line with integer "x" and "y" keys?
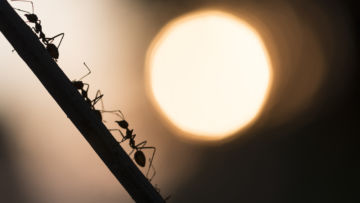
{"x": 31, "y": 50}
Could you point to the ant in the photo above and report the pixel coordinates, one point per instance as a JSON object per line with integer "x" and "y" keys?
{"x": 31, "y": 17}
{"x": 79, "y": 85}
{"x": 52, "y": 49}
{"x": 139, "y": 155}
{"x": 98, "y": 97}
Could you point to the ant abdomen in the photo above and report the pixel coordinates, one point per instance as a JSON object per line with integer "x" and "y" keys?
{"x": 139, "y": 157}
{"x": 53, "y": 50}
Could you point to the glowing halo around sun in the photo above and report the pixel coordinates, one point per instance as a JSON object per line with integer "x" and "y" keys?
{"x": 208, "y": 73}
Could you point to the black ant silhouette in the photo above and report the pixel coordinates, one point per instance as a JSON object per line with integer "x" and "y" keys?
{"x": 84, "y": 89}
{"x": 139, "y": 155}
{"x": 32, "y": 18}
{"x": 98, "y": 97}
{"x": 79, "y": 84}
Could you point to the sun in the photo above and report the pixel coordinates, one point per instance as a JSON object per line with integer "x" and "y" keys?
{"x": 208, "y": 74}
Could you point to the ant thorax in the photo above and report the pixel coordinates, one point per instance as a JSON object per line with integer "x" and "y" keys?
{"x": 85, "y": 94}
{"x": 38, "y": 28}
{"x": 132, "y": 143}
{"x": 129, "y": 133}
{"x": 42, "y": 37}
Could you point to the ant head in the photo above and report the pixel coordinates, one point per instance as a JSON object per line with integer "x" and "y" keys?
{"x": 139, "y": 157}
{"x": 123, "y": 123}
{"x": 31, "y": 18}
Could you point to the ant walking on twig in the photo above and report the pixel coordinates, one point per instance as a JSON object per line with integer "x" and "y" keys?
{"x": 84, "y": 89}
{"x": 98, "y": 97}
{"x": 139, "y": 155}
{"x": 79, "y": 84}
{"x": 32, "y": 18}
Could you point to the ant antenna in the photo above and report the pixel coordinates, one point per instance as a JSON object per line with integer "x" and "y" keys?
{"x": 87, "y": 73}
{"x": 50, "y": 40}
{"x": 32, "y": 6}
{"x": 21, "y": 10}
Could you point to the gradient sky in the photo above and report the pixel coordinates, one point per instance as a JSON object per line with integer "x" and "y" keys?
{"x": 300, "y": 150}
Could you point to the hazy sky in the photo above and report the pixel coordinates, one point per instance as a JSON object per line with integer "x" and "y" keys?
{"x": 299, "y": 150}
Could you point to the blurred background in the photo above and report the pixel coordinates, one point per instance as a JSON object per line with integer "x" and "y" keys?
{"x": 302, "y": 148}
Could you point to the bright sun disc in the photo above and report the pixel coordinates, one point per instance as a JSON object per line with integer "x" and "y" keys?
{"x": 208, "y": 73}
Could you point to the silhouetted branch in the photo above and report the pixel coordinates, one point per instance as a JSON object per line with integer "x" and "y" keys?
{"x": 30, "y": 49}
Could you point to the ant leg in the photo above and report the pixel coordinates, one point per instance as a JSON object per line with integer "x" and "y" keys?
{"x": 32, "y": 6}
{"x": 116, "y": 112}
{"x": 84, "y": 92}
{"x": 102, "y": 104}
{"x": 22, "y": 11}
{"x": 131, "y": 152}
{"x": 52, "y": 39}
{"x": 141, "y": 146}
{"x": 86, "y": 73}
{"x": 123, "y": 139}
{"x": 153, "y": 175}
{"x": 98, "y": 97}
{"x": 62, "y": 37}
{"x": 151, "y": 159}
{"x": 98, "y": 94}
{"x": 87, "y": 87}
